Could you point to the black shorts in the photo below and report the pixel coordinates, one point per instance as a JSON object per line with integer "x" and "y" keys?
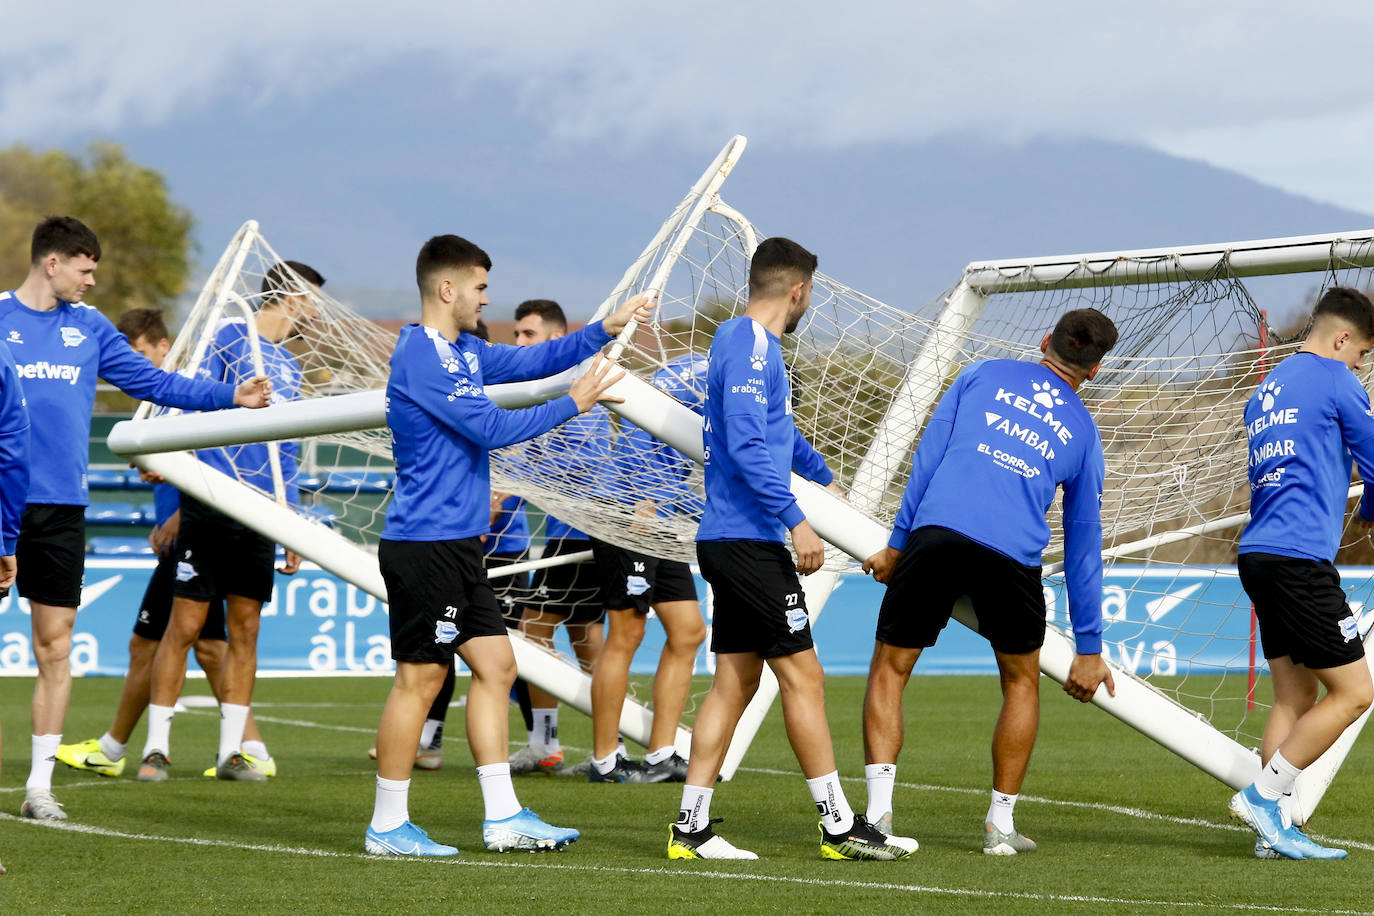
{"x": 218, "y": 557}
{"x": 51, "y": 554}
{"x": 439, "y": 598}
{"x": 156, "y": 608}
{"x": 757, "y": 599}
{"x": 937, "y": 568}
{"x": 637, "y": 581}
{"x": 512, "y": 592}
{"x": 1302, "y": 610}
{"x": 569, "y": 591}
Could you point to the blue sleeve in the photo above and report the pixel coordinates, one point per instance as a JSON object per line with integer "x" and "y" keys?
{"x": 454, "y": 399}
{"x": 132, "y": 373}
{"x": 745, "y": 411}
{"x": 1083, "y": 550}
{"x": 1357, "y": 431}
{"x": 808, "y": 462}
{"x": 929, "y": 453}
{"x": 503, "y": 363}
{"x": 14, "y": 457}
{"x": 166, "y": 502}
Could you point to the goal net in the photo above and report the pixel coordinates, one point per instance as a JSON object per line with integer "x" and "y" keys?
{"x": 1195, "y": 342}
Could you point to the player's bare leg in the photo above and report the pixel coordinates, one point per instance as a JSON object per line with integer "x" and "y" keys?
{"x": 52, "y": 645}
{"x": 488, "y": 707}
{"x": 735, "y": 683}
{"x": 1012, "y": 742}
{"x": 685, "y": 631}
{"x": 1349, "y": 692}
{"x": 611, "y": 679}
{"x": 801, "y": 683}
{"x": 888, "y": 673}
{"x": 398, "y": 734}
{"x": 884, "y": 727}
{"x": 1014, "y": 737}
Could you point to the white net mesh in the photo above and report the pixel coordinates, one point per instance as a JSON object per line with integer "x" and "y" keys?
{"x": 1168, "y": 401}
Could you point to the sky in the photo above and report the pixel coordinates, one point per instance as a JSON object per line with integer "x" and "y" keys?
{"x": 365, "y": 98}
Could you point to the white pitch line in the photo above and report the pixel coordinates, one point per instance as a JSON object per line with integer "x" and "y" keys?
{"x": 687, "y": 872}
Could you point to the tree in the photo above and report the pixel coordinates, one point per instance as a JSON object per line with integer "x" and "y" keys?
{"x": 145, "y": 238}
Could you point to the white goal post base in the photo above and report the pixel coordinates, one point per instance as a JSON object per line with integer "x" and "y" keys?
{"x": 356, "y": 565}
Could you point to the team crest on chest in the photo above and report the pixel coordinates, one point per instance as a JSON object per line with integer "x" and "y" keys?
{"x": 72, "y": 337}
{"x": 473, "y": 363}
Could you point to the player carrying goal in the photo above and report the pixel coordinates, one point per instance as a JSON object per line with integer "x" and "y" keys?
{"x": 1005, "y": 436}
{"x": 752, "y": 444}
{"x": 443, "y": 427}
{"x": 1304, "y": 423}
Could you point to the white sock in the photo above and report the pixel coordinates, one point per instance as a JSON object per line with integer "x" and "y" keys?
{"x": 881, "y": 778}
{"x": 112, "y": 749}
{"x": 620, "y": 749}
{"x": 498, "y": 792}
{"x": 391, "y": 808}
{"x": 695, "y": 813}
{"x": 836, "y": 814}
{"x": 546, "y": 731}
{"x": 256, "y": 749}
{"x": 659, "y": 755}
{"x": 1276, "y": 778}
{"x": 44, "y": 758}
{"x": 232, "y": 719}
{"x": 427, "y": 732}
{"x": 1001, "y": 810}
{"x": 605, "y": 764}
{"x": 159, "y": 730}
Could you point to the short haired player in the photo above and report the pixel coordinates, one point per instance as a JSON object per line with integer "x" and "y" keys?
{"x": 105, "y": 756}
{"x": 1005, "y": 436}
{"x": 1305, "y": 422}
{"x": 752, "y": 445}
{"x": 443, "y": 427}
{"x": 218, "y": 556}
{"x": 60, "y": 345}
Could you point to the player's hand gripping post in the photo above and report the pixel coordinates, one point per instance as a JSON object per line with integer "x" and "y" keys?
{"x": 1086, "y": 674}
{"x": 592, "y": 387}
{"x": 809, "y": 547}
{"x": 253, "y": 392}
{"x": 882, "y": 563}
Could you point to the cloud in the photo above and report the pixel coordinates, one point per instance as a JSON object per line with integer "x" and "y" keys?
{"x": 806, "y": 74}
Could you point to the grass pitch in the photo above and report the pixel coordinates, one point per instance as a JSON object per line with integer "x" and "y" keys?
{"x": 1124, "y": 826}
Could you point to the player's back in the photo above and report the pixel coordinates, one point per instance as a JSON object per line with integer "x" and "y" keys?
{"x": 1298, "y": 423}
{"x": 1018, "y": 432}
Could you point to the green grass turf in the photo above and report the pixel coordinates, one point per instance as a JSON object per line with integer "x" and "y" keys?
{"x": 295, "y": 843}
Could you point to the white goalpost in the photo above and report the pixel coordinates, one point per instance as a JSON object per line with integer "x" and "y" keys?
{"x": 1195, "y": 341}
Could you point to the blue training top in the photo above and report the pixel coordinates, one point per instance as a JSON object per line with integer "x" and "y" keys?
{"x": 653, "y": 470}
{"x": 1005, "y": 435}
{"x": 443, "y": 426}
{"x": 750, "y": 439}
{"x": 578, "y": 457}
{"x": 1304, "y": 423}
{"x": 230, "y": 359}
{"x": 166, "y": 502}
{"x": 510, "y": 533}
{"x": 14, "y": 452}
{"x": 58, "y": 355}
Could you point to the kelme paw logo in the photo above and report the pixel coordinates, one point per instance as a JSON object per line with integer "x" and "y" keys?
{"x": 1046, "y": 396}
{"x": 1268, "y": 392}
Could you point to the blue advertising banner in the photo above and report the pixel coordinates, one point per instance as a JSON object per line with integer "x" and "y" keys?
{"x": 1163, "y": 621}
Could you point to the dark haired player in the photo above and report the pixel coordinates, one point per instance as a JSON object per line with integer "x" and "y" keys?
{"x": 1305, "y": 422}
{"x": 443, "y": 427}
{"x": 219, "y": 556}
{"x": 752, "y": 445}
{"x": 60, "y": 345}
{"x": 1004, "y": 437}
{"x": 105, "y": 756}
